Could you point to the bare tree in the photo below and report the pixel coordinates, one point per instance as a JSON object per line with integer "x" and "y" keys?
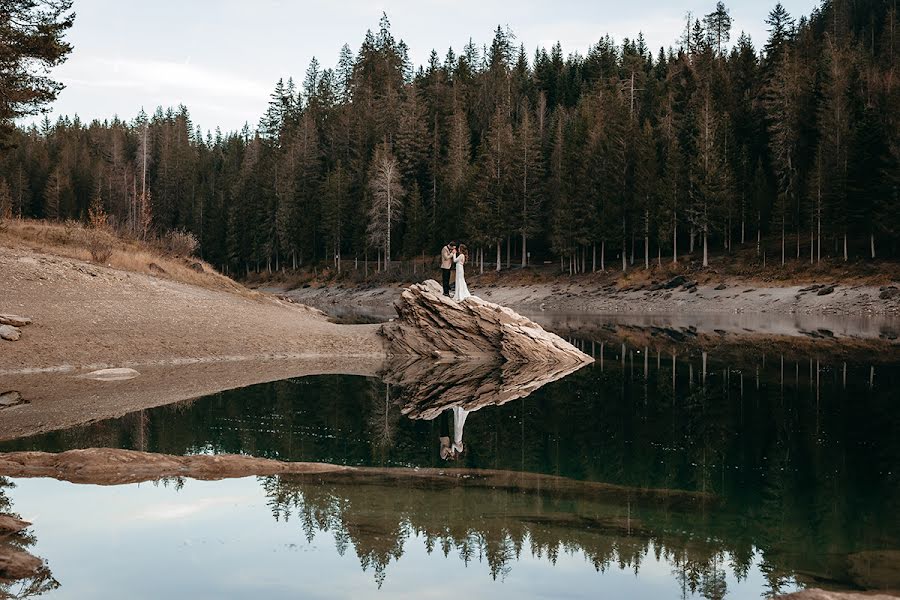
{"x": 387, "y": 194}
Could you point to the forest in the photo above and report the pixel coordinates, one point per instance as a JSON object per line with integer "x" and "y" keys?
{"x": 622, "y": 158}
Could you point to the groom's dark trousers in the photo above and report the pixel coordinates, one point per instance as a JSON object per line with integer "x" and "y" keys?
{"x": 445, "y": 275}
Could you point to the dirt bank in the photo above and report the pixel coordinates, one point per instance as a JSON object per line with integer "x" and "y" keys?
{"x": 90, "y": 317}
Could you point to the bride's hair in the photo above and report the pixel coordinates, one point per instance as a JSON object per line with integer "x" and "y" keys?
{"x": 464, "y": 250}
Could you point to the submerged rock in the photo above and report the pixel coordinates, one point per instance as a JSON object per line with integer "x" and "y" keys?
{"x": 431, "y": 324}
{"x": 112, "y": 374}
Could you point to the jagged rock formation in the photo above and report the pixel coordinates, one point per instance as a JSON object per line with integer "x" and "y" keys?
{"x": 431, "y": 324}
{"x": 429, "y": 387}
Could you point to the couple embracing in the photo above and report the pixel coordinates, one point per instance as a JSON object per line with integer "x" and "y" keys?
{"x": 453, "y": 255}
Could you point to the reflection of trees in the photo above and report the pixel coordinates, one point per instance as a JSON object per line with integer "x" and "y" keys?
{"x": 40, "y": 580}
{"x": 494, "y": 527}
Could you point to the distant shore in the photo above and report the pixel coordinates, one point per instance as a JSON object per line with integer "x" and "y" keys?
{"x": 678, "y": 295}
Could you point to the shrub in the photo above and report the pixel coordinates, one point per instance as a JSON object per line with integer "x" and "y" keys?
{"x": 98, "y": 242}
{"x": 180, "y": 243}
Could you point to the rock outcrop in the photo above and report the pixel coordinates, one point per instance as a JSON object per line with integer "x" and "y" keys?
{"x": 429, "y": 324}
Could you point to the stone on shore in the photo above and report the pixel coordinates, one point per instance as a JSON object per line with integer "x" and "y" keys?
{"x": 10, "y": 333}
{"x": 14, "y": 320}
{"x": 429, "y": 324}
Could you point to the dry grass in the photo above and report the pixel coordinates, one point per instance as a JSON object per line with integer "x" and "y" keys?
{"x": 101, "y": 246}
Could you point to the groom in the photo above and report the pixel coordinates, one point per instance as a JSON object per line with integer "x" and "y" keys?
{"x": 446, "y": 265}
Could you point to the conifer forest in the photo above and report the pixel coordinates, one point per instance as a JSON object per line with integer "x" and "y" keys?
{"x": 626, "y": 157}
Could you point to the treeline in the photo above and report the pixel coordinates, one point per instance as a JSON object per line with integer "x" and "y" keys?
{"x": 618, "y": 156}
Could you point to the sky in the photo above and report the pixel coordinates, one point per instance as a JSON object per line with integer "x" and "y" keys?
{"x": 221, "y": 58}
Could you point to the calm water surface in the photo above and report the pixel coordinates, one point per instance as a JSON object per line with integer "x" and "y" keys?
{"x": 792, "y": 460}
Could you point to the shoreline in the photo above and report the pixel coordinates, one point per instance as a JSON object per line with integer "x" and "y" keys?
{"x": 682, "y": 296}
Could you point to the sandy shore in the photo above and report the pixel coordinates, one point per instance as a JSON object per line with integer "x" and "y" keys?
{"x": 89, "y": 317}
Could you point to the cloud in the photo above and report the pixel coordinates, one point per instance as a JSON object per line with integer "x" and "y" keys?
{"x": 182, "y": 510}
{"x": 158, "y": 76}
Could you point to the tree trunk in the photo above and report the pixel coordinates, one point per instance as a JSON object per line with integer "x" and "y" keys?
{"x": 705, "y": 249}
{"x": 646, "y": 238}
{"x": 872, "y": 244}
{"x": 624, "y": 256}
{"x": 594, "y": 257}
{"x": 603, "y": 255}
{"x": 498, "y": 255}
{"x": 782, "y": 241}
{"x": 812, "y": 243}
{"x": 845, "y": 247}
{"x": 524, "y": 250}
{"x": 674, "y": 238}
{"x": 508, "y": 250}
{"x": 758, "y": 233}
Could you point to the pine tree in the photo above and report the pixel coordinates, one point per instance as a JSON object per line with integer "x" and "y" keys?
{"x": 33, "y": 42}
{"x": 528, "y": 174}
{"x": 335, "y": 195}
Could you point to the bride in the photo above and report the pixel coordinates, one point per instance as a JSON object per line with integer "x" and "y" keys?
{"x": 462, "y": 290}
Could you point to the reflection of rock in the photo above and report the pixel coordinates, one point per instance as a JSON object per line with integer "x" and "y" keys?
{"x": 816, "y": 594}
{"x": 430, "y": 324}
{"x": 429, "y": 387}
{"x": 108, "y": 466}
{"x": 17, "y": 565}
{"x": 876, "y": 569}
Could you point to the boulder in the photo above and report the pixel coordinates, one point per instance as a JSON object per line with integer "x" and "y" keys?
{"x": 676, "y": 281}
{"x": 825, "y": 290}
{"x": 889, "y": 293}
{"x": 429, "y": 324}
{"x": 14, "y": 320}
{"x": 10, "y": 399}
{"x": 10, "y": 333}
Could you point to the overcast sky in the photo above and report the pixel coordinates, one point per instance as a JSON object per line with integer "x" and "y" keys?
{"x": 221, "y": 58}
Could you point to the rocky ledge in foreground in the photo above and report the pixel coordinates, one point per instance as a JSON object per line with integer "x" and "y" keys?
{"x": 431, "y": 324}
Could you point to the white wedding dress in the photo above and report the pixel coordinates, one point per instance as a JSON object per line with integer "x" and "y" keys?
{"x": 462, "y": 290}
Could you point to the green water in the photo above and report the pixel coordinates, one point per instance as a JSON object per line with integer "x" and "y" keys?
{"x": 795, "y": 459}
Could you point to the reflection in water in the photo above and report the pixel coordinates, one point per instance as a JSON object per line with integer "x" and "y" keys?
{"x": 496, "y": 526}
{"x": 21, "y": 574}
{"x": 800, "y": 452}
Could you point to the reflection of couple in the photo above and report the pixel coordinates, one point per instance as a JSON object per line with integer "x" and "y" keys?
{"x": 452, "y": 255}
{"x": 452, "y": 451}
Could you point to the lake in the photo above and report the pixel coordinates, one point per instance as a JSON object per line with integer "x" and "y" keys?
{"x": 660, "y": 471}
